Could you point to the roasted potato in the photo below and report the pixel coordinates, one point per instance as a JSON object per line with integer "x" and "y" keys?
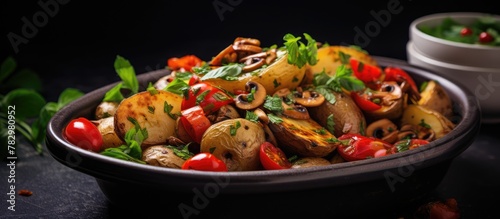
{"x": 236, "y": 142}
{"x": 106, "y": 127}
{"x": 434, "y": 97}
{"x": 152, "y": 111}
{"x": 303, "y": 137}
{"x": 305, "y": 162}
{"x": 420, "y": 115}
{"x": 163, "y": 156}
{"x": 279, "y": 74}
{"x": 329, "y": 59}
{"x": 347, "y": 116}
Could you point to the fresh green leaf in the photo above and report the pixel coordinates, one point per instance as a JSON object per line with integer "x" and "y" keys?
{"x": 127, "y": 73}
{"x": 114, "y": 94}
{"x": 28, "y": 102}
{"x": 8, "y": 66}
{"x": 24, "y": 78}
{"x": 67, "y": 96}
{"x": 177, "y": 86}
{"x": 227, "y": 72}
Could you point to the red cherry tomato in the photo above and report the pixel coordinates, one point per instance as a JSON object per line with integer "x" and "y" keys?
{"x": 485, "y": 37}
{"x": 84, "y": 134}
{"x": 364, "y": 103}
{"x": 365, "y": 72}
{"x": 465, "y": 31}
{"x": 195, "y": 122}
{"x": 186, "y": 62}
{"x": 210, "y": 98}
{"x": 205, "y": 162}
{"x": 272, "y": 157}
{"x": 359, "y": 147}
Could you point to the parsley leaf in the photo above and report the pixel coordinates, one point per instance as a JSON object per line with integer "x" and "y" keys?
{"x": 300, "y": 54}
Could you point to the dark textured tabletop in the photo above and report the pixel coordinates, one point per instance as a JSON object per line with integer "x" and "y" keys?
{"x": 75, "y": 44}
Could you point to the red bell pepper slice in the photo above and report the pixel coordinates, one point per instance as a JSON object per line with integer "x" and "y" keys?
{"x": 195, "y": 122}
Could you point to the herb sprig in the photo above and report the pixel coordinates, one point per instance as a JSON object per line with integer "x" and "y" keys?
{"x": 32, "y": 111}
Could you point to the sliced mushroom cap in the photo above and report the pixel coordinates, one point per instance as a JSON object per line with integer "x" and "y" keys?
{"x": 255, "y": 96}
{"x": 106, "y": 109}
{"x": 290, "y": 108}
{"x": 383, "y": 129}
{"x": 415, "y": 131}
{"x": 309, "y": 98}
{"x": 391, "y": 99}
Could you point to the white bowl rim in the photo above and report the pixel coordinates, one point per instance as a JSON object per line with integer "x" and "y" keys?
{"x": 438, "y": 16}
{"x": 421, "y": 56}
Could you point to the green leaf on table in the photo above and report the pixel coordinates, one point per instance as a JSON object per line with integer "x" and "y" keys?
{"x": 28, "y": 102}
{"x": 68, "y": 95}
{"x": 8, "y": 66}
{"x": 24, "y": 78}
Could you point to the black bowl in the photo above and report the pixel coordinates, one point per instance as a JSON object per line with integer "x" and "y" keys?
{"x": 345, "y": 189}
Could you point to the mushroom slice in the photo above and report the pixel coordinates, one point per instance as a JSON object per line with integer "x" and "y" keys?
{"x": 383, "y": 129}
{"x": 290, "y": 108}
{"x": 308, "y": 98}
{"x": 106, "y": 109}
{"x": 295, "y": 111}
{"x": 255, "y": 96}
{"x": 391, "y": 99}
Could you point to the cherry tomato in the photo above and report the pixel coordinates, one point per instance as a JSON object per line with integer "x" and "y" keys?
{"x": 195, "y": 122}
{"x": 465, "y": 31}
{"x": 84, "y": 134}
{"x": 272, "y": 157}
{"x": 206, "y": 162}
{"x": 408, "y": 144}
{"x": 485, "y": 37}
{"x": 365, "y": 72}
{"x": 186, "y": 62}
{"x": 210, "y": 98}
{"x": 399, "y": 75}
{"x": 364, "y": 103}
{"x": 359, "y": 147}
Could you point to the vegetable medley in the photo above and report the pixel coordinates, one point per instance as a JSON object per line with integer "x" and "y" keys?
{"x": 252, "y": 107}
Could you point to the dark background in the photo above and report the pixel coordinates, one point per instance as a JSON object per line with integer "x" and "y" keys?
{"x": 76, "y": 47}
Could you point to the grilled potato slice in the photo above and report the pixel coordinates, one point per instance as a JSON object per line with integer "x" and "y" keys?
{"x": 434, "y": 97}
{"x": 303, "y": 137}
{"x": 329, "y": 58}
{"x": 152, "y": 111}
{"x": 420, "y": 115}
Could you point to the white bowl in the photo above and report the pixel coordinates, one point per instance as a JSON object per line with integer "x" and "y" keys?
{"x": 483, "y": 82}
{"x": 443, "y": 50}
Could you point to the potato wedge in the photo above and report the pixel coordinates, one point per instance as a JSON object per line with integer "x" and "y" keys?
{"x": 329, "y": 59}
{"x": 346, "y": 115}
{"x": 303, "y": 137}
{"x": 418, "y": 115}
{"x": 278, "y": 75}
{"x": 434, "y": 97}
{"x": 152, "y": 112}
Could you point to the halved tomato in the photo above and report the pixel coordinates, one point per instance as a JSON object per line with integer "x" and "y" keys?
{"x": 206, "y": 162}
{"x": 359, "y": 147}
{"x": 272, "y": 157}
